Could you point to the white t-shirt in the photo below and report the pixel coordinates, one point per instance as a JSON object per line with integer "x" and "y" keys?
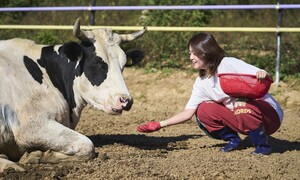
{"x": 205, "y": 89}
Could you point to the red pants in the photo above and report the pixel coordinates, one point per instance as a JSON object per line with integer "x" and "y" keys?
{"x": 248, "y": 117}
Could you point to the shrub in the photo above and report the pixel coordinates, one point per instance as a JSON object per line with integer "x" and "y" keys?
{"x": 169, "y": 49}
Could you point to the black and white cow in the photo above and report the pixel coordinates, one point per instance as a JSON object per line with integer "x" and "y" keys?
{"x": 43, "y": 90}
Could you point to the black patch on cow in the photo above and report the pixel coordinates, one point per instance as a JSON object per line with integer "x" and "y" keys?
{"x": 33, "y": 69}
{"x": 63, "y": 67}
{"x": 72, "y": 50}
{"x": 88, "y": 44}
{"x": 95, "y": 69}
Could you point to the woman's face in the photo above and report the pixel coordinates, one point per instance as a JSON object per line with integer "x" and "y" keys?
{"x": 197, "y": 62}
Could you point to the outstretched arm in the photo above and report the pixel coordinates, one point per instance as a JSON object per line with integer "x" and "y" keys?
{"x": 181, "y": 117}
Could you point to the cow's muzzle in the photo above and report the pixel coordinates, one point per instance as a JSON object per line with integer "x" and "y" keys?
{"x": 126, "y": 103}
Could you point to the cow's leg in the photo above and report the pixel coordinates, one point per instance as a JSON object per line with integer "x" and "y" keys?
{"x": 6, "y": 164}
{"x": 53, "y": 143}
{"x": 48, "y": 156}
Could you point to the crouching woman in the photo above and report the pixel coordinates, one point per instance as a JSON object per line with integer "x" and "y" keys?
{"x": 219, "y": 115}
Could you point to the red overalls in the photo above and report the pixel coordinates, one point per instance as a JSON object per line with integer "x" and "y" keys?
{"x": 248, "y": 116}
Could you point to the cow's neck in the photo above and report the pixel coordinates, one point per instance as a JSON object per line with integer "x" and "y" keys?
{"x": 62, "y": 73}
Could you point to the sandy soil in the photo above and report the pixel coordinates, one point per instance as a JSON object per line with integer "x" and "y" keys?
{"x": 176, "y": 152}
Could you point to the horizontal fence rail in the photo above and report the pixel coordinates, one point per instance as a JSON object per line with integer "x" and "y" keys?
{"x": 92, "y": 8}
{"x": 157, "y": 28}
{"x": 119, "y": 8}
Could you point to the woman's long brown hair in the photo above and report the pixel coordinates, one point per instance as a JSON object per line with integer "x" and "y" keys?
{"x": 206, "y": 47}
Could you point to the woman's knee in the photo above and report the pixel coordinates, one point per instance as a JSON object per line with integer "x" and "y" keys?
{"x": 206, "y": 110}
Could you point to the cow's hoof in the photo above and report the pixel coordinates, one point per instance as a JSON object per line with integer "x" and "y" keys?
{"x": 31, "y": 158}
{"x": 11, "y": 168}
{"x": 36, "y": 157}
{"x": 49, "y": 156}
{"x": 7, "y": 166}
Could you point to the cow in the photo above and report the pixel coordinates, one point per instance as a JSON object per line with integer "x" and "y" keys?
{"x": 44, "y": 88}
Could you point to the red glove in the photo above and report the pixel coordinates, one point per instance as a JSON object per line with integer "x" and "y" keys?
{"x": 149, "y": 127}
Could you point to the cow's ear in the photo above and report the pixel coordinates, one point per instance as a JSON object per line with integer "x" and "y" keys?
{"x": 134, "y": 56}
{"x": 73, "y": 51}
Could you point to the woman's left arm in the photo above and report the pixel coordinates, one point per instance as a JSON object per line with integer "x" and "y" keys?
{"x": 262, "y": 74}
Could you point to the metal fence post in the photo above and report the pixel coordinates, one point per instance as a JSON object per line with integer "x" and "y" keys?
{"x": 92, "y": 16}
{"x": 279, "y": 22}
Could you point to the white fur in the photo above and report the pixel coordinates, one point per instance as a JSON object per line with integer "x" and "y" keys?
{"x": 38, "y": 114}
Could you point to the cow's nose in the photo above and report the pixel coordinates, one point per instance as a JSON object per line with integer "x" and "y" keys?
{"x": 126, "y": 103}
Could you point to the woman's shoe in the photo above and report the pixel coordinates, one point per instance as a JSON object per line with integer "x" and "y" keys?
{"x": 259, "y": 139}
{"x": 228, "y": 134}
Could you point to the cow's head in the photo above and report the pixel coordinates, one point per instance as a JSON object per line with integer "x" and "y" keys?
{"x": 101, "y": 84}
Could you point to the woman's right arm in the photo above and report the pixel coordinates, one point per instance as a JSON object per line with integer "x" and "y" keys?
{"x": 181, "y": 117}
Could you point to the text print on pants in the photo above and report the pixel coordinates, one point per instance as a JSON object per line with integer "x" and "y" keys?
{"x": 242, "y": 111}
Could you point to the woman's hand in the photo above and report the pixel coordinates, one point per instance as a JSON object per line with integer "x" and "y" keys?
{"x": 262, "y": 74}
{"x": 178, "y": 118}
{"x": 149, "y": 127}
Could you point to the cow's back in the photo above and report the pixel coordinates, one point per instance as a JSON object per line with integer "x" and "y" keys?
{"x": 18, "y": 86}
{"x": 14, "y": 77}
{"x": 18, "y": 47}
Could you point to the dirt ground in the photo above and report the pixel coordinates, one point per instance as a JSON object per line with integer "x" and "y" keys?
{"x": 176, "y": 152}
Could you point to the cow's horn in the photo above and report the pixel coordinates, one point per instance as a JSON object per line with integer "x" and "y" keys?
{"x": 77, "y": 32}
{"x": 135, "y": 35}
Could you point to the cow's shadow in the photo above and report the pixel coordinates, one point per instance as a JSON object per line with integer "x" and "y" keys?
{"x": 167, "y": 143}
{"x": 142, "y": 141}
